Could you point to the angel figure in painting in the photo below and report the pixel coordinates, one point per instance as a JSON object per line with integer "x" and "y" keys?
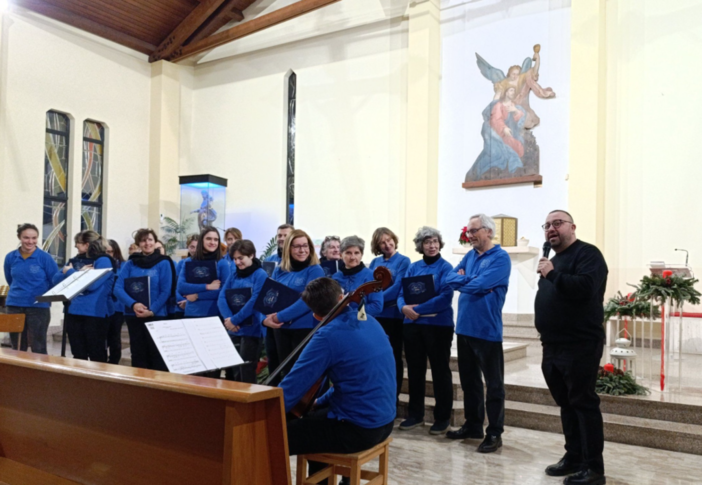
{"x": 510, "y": 150}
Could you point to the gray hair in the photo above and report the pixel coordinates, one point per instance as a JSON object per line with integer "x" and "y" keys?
{"x": 326, "y": 241}
{"x": 424, "y": 233}
{"x": 485, "y": 221}
{"x": 352, "y": 241}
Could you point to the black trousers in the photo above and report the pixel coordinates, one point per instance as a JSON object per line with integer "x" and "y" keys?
{"x": 145, "y": 354}
{"x": 249, "y": 349}
{"x": 88, "y": 337}
{"x": 475, "y": 357}
{"x": 433, "y": 342}
{"x": 286, "y": 340}
{"x": 272, "y": 353}
{"x": 394, "y": 329}
{"x": 570, "y": 371}
{"x": 114, "y": 337}
{"x": 315, "y": 433}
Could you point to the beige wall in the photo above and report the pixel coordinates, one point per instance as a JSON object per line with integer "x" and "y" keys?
{"x": 45, "y": 66}
{"x": 634, "y": 135}
{"x": 350, "y": 132}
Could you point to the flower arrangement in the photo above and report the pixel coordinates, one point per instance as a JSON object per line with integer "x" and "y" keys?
{"x": 616, "y": 382}
{"x": 464, "y": 238}
{"x": 630, "y": 306}
{"x": 660, "y": 288}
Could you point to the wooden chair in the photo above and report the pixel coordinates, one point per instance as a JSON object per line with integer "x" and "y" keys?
{"x": 13, "y": 323}
{"x": 347, "y": 466}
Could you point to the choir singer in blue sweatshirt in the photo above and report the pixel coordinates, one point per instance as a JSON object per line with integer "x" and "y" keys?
{"x": 483, "y": 277}
{"x": 245, "y": 326}
{"x": 354, "y": 273}
{"x": 384, "y": 245}
{"x": 202, "y": 297}
{"x": 299, "y": 266}
{"x": 152, "y": 264}
{"x": 29, "y": 271}
{"x": 87, "y": 321}
{"x": 428, "y": 333}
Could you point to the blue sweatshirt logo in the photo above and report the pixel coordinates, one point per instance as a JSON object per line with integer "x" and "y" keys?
{"x": 35, "y": 269}
{"x": 299, "y": 281}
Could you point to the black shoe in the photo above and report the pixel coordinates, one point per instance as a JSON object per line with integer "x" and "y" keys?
{"x": 490, "y": 444}
{"x": 463, "y": 433}
{"x": 563, "y": 468}
{"x": 586, "y": 477}
{"x": 411, "y": 423}
{"x": 439, "y": 427}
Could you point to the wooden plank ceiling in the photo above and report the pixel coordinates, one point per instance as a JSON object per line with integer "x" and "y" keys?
{"x": 165, "y": 29}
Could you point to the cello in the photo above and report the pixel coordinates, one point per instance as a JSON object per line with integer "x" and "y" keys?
{"x": 383, "y": 279}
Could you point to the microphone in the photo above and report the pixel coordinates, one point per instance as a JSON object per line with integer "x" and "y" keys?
{"x": 546, "y": 249}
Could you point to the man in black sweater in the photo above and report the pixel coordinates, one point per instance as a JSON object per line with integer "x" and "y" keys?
{"x": 569, "y": 316}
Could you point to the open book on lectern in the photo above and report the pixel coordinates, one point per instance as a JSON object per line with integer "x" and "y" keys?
{"x": 194, "y": 345}
{"x": 73, "y": 286}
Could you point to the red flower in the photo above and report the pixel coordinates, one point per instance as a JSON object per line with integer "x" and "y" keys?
{"x": 630, "y": 297}
{"x": 667, "y": 273}
{"x": 668, "y": 281}
{"x": 609, "y": 367}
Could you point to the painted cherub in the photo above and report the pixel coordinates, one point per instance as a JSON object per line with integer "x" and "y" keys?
{"x": 523, "y": 79}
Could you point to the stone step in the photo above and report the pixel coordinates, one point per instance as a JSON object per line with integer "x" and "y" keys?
{"x": 631, "y": 430}
{"x": 429, "y": 386}
{"x": 457, "y": 416}
{"x": 518, "y": 331}
{"x": 616, "y": 405}
{"x": 518, "y": 319}
{"x": 529, "y": 342}
{"x": 511, "y": 350}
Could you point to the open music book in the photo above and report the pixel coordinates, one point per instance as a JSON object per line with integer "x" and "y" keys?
{"x": 73, "y": 285}
{"x": 194, "y": 345}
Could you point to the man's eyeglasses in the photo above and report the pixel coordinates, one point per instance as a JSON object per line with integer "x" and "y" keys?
{"x": 300, "y": 246}
{"x": 473, "y": 232}
{"x": 555, "y": 224}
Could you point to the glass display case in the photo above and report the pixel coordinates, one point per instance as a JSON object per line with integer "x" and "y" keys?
{"x": 203, "y": 201}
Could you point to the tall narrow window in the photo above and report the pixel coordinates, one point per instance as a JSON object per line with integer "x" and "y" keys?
{"x": 290, "y": 186}
{"x": 58, "y": 128}
{"x": 91, "y": 186}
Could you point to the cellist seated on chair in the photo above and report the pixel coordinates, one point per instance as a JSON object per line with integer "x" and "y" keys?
{"x": 358, "y": 411}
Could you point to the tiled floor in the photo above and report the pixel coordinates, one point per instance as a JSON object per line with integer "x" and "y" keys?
{"x": 417, "y": 458}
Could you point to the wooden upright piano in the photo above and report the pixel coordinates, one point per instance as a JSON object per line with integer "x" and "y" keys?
{"x": 66, "y": 421}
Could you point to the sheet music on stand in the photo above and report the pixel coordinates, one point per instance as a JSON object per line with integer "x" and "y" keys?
{"x": 195, "y": 345}
{"x": 73, "y": 285}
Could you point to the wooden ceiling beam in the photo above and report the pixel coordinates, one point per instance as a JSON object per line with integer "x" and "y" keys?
{"x": 44, "y": 8}
{"x": 226, "y": 13}
{"x": 187, "y": 27}
{"x": 292, "y": 11}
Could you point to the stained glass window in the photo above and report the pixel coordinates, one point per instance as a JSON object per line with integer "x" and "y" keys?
{"x": 290, "y": 186}
{"x": 91, "y": 186}
{"x": 55, "y": 185}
